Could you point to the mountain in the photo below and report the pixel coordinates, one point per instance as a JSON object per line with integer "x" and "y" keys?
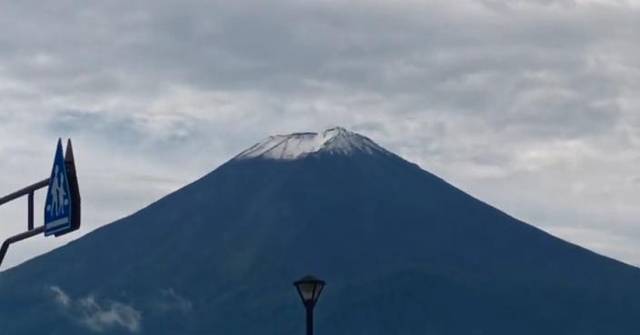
{"x": 402, "y": 251}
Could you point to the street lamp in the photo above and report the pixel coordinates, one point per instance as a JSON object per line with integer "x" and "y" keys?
{"x": 309, "y": 289}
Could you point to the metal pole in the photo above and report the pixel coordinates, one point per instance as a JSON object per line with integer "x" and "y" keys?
{"x": 31, "y": 231}
{"x": 18, "y": 238}
{"x": 309, "y": 319}
{"x": 24, "y": 191}
{"x": 30, "y": 212}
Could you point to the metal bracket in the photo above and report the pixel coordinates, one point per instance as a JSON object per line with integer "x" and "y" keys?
{"x": 31, "y": 231}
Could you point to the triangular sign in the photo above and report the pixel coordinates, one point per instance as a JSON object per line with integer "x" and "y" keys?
{"x": 58, "y": 209}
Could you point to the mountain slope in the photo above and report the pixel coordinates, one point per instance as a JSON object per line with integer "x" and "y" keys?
{"x": 403, "y": 252}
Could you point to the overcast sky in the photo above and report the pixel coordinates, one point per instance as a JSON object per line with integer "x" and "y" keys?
{"x": 532, "y": 106}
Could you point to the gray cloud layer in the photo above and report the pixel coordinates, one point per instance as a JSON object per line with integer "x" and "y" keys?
{"x": 529, "y": 105}
{"x": 96, "y": 316}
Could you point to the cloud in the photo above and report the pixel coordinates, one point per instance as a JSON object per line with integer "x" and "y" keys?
{"x": 496, "y": 96}
{"x": 96, "y": 316}
{"x": 100, "y": 318}
{"x": 170, "y": 301}
{"x": 60, "y": 296}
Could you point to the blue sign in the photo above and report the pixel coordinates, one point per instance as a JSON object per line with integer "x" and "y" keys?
{"x": 57, "y": 208}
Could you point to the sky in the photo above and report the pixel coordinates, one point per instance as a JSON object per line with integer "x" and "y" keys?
{"x": 531, "y": 106}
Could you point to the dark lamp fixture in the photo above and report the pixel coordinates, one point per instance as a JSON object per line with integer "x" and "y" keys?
{"x": 309, "y": 289}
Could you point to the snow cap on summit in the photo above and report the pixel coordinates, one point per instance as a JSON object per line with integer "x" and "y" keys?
{"x": 298, "y": 145}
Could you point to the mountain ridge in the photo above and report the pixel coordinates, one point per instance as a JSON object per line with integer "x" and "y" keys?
{"x": 402, "y": 251}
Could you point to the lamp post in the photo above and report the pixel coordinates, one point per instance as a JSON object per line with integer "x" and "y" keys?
{"x": 309, "y": 289}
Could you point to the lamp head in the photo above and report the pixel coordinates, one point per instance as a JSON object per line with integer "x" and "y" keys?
{"x": 309, "y": 289}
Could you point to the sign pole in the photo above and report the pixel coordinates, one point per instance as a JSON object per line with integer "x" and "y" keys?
{"x": 62, "y": 207}
{"x": 29, "y": 190}
{"x": 18, "y": 238}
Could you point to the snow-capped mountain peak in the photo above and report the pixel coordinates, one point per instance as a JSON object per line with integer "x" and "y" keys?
{"x": 297, "y": 145}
